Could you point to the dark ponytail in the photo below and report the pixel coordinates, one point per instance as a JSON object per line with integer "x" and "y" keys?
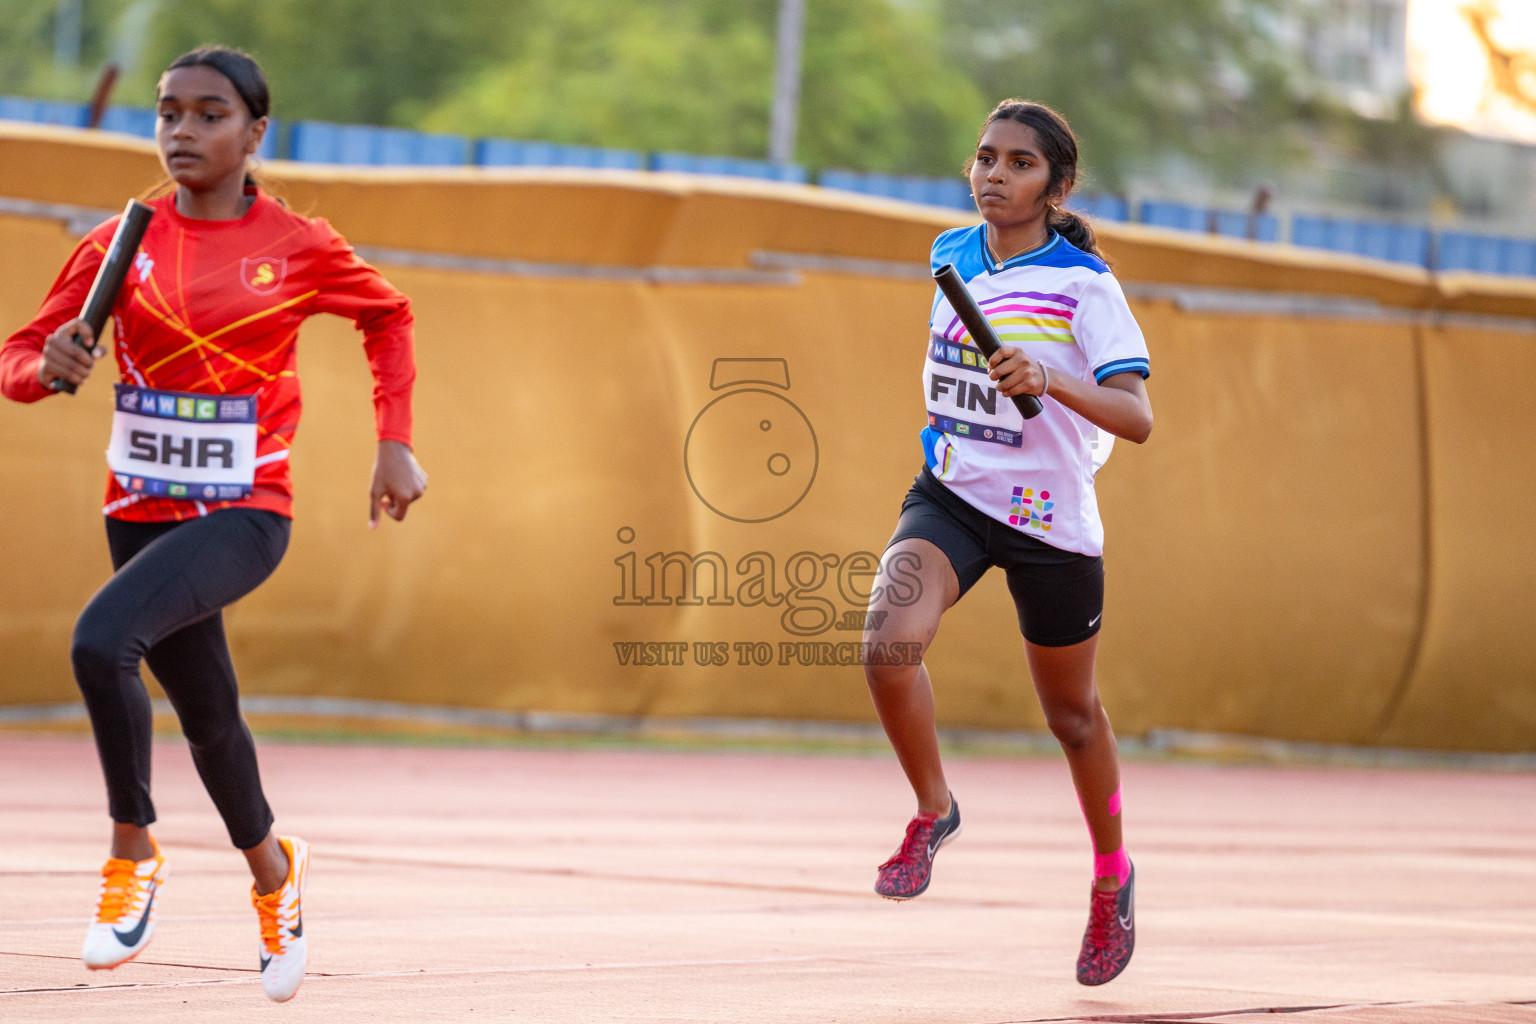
{"x": 1059, "y": 147}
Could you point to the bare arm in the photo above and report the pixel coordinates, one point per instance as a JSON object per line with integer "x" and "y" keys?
{"x": 1118, "y": 404}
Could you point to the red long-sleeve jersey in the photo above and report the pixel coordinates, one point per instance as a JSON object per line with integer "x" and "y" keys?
{"x": 214, "y": 307}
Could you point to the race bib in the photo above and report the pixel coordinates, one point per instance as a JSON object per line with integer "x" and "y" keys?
{"x": 176, "y": 444}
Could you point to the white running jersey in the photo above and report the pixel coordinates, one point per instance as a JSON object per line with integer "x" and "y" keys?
{"x": 1064, "y": 309}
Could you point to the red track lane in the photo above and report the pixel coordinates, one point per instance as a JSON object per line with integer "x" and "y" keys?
{"x": 600, "y": 885}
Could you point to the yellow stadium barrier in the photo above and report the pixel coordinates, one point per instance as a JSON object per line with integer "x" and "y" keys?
{"x": 1324, "y": 540}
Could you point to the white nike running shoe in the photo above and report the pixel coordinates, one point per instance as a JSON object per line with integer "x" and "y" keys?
{"x": 284, "y": 949}
{"x": 125, "y": 911}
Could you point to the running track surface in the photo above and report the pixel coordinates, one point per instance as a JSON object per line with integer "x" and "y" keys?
{"x": 601, "y": 884}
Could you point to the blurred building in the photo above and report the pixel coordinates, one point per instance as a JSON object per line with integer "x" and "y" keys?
{"x": 1355, "y": 53}
{"x": 1355, "y": 50}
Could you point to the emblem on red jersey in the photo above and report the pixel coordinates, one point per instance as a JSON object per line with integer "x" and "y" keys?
{"x": 263, "y": 274}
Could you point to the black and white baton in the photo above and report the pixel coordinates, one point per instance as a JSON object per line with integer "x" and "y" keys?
{"x": 110, "y": 276}
{"x": 975, "y": 321}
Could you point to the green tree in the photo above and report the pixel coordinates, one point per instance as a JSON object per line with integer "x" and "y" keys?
{"x": 697, "y": 75}
{"x": 26, "y": 48}
{"x": 1142, "y": 80}
{"x": 341, "y": 60}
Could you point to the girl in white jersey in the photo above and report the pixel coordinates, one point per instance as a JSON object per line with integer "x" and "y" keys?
{"x": 996, "y": 489}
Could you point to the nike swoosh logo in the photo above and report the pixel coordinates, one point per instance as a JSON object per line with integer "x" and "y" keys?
{"x": 1125, "y": 922}
{"x": 131, "y": 937}
{"x": 264, "y": 961}
{"x": 298, "y": 929}
{"x": 1096, "y": 618}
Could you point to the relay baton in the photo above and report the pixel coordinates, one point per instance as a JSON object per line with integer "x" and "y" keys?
{"x": 970, "y": 314}
{"x": 110, "y": 276}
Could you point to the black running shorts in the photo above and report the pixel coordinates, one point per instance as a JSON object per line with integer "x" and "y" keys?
{"x": 1059, "y": 595}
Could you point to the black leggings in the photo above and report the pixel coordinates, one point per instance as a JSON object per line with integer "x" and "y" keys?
{"x": 163, "y": 605}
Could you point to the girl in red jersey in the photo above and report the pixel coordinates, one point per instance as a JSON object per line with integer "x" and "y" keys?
{"x": 199, "y": 500}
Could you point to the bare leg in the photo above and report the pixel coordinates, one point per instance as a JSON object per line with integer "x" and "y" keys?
{"x": 131, "y": 842}
{"x": 268, "y": 861}
{"x": 1070, "y": 698}
{"x": 269, "y": 864}
{"x": 915, "y": 585}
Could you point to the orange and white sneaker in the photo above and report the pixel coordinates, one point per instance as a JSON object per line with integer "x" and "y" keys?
{"x": 284, "y": 949}
{"x": 125, "y": 911}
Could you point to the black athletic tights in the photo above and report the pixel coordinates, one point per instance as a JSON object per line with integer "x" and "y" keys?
{"x": 163, "y": 605}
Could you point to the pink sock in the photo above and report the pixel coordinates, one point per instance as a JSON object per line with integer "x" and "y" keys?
{"x": 1117, "y": 864}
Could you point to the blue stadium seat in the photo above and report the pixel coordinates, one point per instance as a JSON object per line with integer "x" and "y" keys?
{"x": 1410, "y": 244}
{"x": 355, "y": 144}
{"x": 390, "y": 146}
{"x": 948, "y": 192}
{"x": 70, "y": 115}
{"x": 313, "y": 142}
{"x": 129, "y": 121}
{"x": 1100, "y": 207}
{"x": 438, "y": 149}
{"x": 1172, "y": 215}
{"x": 951, "y": 192}
{"x": 1522, "y": 257}
{"x": 516, "y": 153}
{"x": 847, "y": 181}
{"x": 1234, "y": 224}
{"x": 321, "y": 142}
{"x": 1311, "y": 232}
{"x": 1382, "y": 240}
{"x": 1462, "y": 251}
{"x": 692, "y": 163}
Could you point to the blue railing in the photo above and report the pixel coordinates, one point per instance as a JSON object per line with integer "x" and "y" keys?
{"x": 1100, "y": 206}
{"x": 1399, "y": 243}
{"x": 1488, "y": 254}
{"x": 1262, "y": 227}
{"x": 693, "y": 163}
{"x": 951, "y": 192}
{"x": 124, "y": 120}
{"x": 70, "y": 115}
{"x": 323, "y": 142}
{"x": 512, "y": 153}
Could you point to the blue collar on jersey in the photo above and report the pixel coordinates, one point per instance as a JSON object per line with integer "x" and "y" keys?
{"x": 1023, "y": 258}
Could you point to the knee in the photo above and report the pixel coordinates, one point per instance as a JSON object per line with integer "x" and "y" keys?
{"x": 1074, "y": 723}
{"x": 210, "y": 716}
{"x": 885, "y": 674}
{"x": 205, "y": 733}
{"x": 97, "y": 653}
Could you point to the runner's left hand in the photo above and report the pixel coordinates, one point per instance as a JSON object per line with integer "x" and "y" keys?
{"x": 1015, "y": 372}
{"x": 398, "y": 480}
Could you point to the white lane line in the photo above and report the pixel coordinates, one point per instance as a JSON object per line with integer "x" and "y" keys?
{"x": 449, "y": 972}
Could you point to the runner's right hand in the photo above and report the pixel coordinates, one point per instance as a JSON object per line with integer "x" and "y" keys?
{"x": 63, "y": 359}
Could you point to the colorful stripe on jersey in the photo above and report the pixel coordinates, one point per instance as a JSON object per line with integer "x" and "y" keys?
{"x": 1023, "y": 316}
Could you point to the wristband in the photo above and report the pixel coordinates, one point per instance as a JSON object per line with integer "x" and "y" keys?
{"x": 1045, "y": 372}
